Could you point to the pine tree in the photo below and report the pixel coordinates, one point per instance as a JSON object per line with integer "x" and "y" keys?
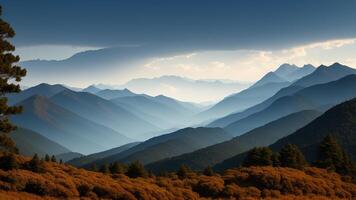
{"x": 208, "y": 171}
{"x": 36, "y": 165}
{"x": 258, "y": 156}
{"x": 53, "y": 158}
{"x": 105, "y": 169}
{"x": 60, "y": 161}
{"x": 136, "y": 169}
{"x": 275, "y": 160}
{"x": 10, "y": 73}
{"x": 94, "y": 168}
{"x": 47, "y": 158}
{"x": 183, "y": 171}
{"x": 291, "y": 156}
{"x": 8, "y": 162}
{"x": 332, "y": 157}
{"x": 118, "y": 168}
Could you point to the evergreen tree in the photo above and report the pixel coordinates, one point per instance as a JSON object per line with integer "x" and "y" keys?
{"x": 291, "y": 156}
{"x": 118, "y": 168}
{"x": 8, "y": 162}
{"x": 275, "y": 160}
{"x": 208, "y": 171}
{"x": 258, "y": 156}
{"x": 53, "y": 158}
{"x": 36, "y": 165}
{"x": 136, "y": 169}
{"x": 332, "y": 157}
{"x": 10, "y": 73}
{"x": 60, "y": 161}
{"x": 94, "y": 168}
{"x": 183, "y": 171}
{"x": 105, "y": 169}
{"x": 47, "y": 158}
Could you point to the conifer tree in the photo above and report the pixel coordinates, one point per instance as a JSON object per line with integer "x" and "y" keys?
{"x": 291, "y": 156}
{"x": 53, "y": 158}
{"x": 331, "y": 156}
{"x": 35, "y": 164}
{"x": 105, "y": 169}
{"x": 8, "y": 161}
{"x": 183, "y": 171}
{"x": 136, "y": 169}
{"x": 47, "y": 158}
{"x": 10, "y": 73}
{"x": 258, "y": 156}
{"x": 118, "y": 168}
{"x": 208, "y": 171}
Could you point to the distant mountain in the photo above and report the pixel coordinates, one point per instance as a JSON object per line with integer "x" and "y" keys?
{"x": 91, "y": 89}
{"x": 185, "y": 89}
{"x": 298, "y": 85}
{"x": 42, "y": 89}
{"x": 338, "y": 121}
{"x": 30, "y": 142}
{"x": 270, "y": 77}
{"x": 168, "y": 145}
{"x": 293, "y": 72}
{"x": 65, "y": 127}
{"x": 190, "y": 139}
{"x": 84, "y": 160}
{"x": 242, "y": 100}
{"x": 112, "y": 94}
{"x": 67, "y": 156}
{"x": 314, "y": 97}
{"x": 104, "y": 112}
{"x": 262, "y": 136}
{"x": 324, "y": 74}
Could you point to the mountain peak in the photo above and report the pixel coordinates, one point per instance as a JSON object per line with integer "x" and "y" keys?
{"x": 91, "y": 89}
{"x": 270, "y": 77}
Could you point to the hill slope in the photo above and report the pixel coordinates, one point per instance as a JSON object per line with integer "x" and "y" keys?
{"x": 29, "y": 142}
{"x": 65, "y": 127}
{"x": 104, "y": 112}
{"x": 111, "y": 94}
{"x": 339, "y": 121}
{"x": 262, "y": 136}
{"x": 314, "y": 97}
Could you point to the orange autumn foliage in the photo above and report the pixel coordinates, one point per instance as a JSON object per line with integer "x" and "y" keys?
{"x": 60, "y": 181}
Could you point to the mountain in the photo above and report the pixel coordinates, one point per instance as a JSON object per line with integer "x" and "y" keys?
{"x": 104, "y": 112}
{"x": 242, "y": 100}
{"x": 285, "y": 69}
{"x": 68, "y": 156}
{"x": 261, "y": 136}
{"x": 84, "y": 160}
{"x": 314, "y": 97}
{"x": 91, "y": 89}
{"x": 185, "y": 89}
{"x": 42, "y": 89}
{"x": 300, "y": 72}
{"x": 65, "y": 127}
{"x": 29, "y": 142}
{"x": 339, "y": 121}
{"x": 224, "y": 121}
{"x": 270, "y": 77}
{"x": 293, "y": 72}
{"x": 168, "y": 145}
{"x": 112, "y": 94}
{"x": 324, "y": 74}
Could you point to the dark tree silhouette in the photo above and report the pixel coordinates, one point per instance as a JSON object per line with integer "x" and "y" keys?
{"x": 105, "y": 169}
{"x": 258, "y": 156}
{"x": 36, "y": 165}
{"x": 8, "y": 162}
{"x": 53, "y": 158}
{"x": 208, "y": 171}
{"x": 10, "y": 73}
{"x": 183, "y": 171}
{"x": 291, "y": 156}
{"x": 136, "y": 169}
{"x": 118, "y": 168}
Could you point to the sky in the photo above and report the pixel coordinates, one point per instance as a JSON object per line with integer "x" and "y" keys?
{"x": 202, "y": 39}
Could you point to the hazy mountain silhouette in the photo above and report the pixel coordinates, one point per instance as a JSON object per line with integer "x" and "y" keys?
{"x": 112, "y": 94}
{"x": 270, "y": 77}
{"x": 68, "y": 156}
{"x": 29, "y": 142}
{"x": 338, "y": 121}
{"x": 242, "y": 100}
{"x": 261, "y": 136}
{"x": 42, "y": 89}
{"x": 168, "y": 145}
{"x": 104, "y": 112}
{"x": 324, "y": 74}
{"x": 91, "y": 89}
{"x": 293, "y": 72}
{"x": 224, "y": 121}
{"x": 65, "y": 127}
{"x": 314, "y": 97}
{"x": 84, "y": 160}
